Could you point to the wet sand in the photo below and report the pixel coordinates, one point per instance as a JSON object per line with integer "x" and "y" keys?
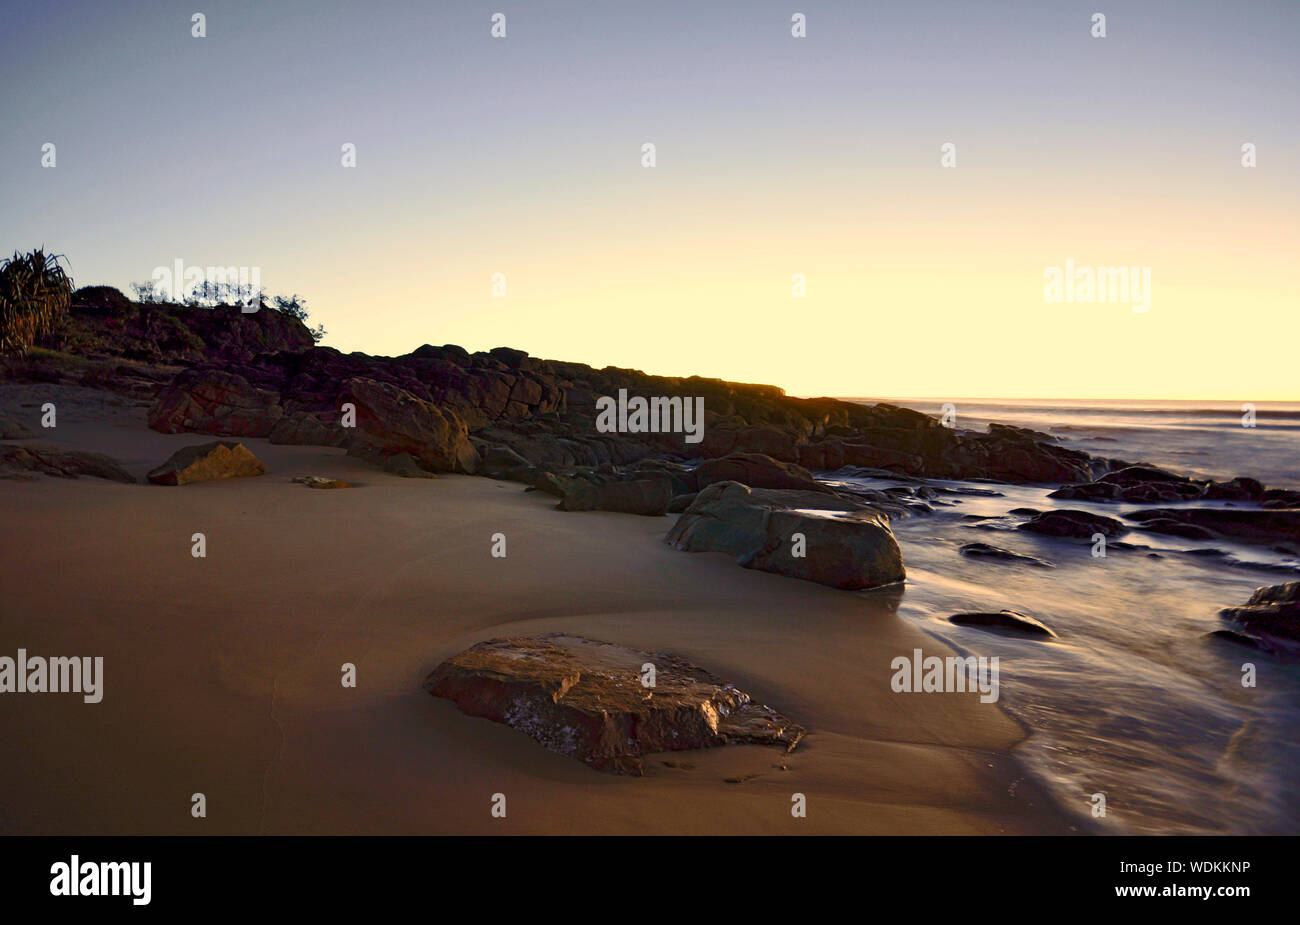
{"x": 222, "y": 674}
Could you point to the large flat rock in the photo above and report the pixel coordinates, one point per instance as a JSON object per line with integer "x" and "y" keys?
{"x": 585, "y": 698}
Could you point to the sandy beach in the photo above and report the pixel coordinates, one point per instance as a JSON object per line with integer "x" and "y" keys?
{"x": 222, "y": 674}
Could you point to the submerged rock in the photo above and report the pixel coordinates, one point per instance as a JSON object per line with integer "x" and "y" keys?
{"x": 1003, "y": 619}
{"x": 220, "y": 459}
{"x": 986, "y": 551}
{"x": 1273, "y": 611}
{"x": 585, "y": 698}
{"x": 1249, "y": 526}
{"x": 1073, "y": 523}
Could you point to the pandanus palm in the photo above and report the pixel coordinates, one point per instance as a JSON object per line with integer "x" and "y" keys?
{"x": 35, "y": 291}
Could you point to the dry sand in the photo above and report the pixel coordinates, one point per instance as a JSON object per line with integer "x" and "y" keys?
{"x": 222, "y": 675}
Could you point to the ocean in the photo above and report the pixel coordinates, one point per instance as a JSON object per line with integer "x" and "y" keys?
{"x": 1133, "y": 700}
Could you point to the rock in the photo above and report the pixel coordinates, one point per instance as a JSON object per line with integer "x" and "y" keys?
{"x": 308, "y": 428}
{"x": 846, "y": 544}
{"x": 1088, "y": 491}
{"x": 1175, "y": 528}
{"x": 13, "y": 429}
{"x": 1238, "y": 489}
{"x": 316, "y": 481}
{"x": 501, "y": 462}
{"x": 1003, "y": 619}
{"x": 220, "y": 459}
{"x": 404, "y": 464}
{"x": 648, "y": 497}
{"x": 1272, "y": 611}
{"x": 1137, "y": 475}
{"x": 584, "y": 698}
{"x": 1264, "y": 527}
{"x": 16, "y": 462}
{"x": 212, "y": 401}
{"x": 1233, "y": 636}
{"x": 391, "y": 420}
{"x": 1281, "y": 497}
{"x": 679, "y": 503}
{"x": 1074, "y": 524}
{"x": 756, "y": 471}
{"x": 984, "y": 550}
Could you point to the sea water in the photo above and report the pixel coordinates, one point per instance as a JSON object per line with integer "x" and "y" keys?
{"x": 1133, "y": 699}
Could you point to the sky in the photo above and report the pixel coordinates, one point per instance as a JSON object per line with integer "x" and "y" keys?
{"x": 775, "y": 156}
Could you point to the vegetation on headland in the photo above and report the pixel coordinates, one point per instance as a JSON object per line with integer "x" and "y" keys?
{"x": 35, "y": 291}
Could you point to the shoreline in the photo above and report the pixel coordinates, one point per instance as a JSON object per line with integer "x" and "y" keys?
{"x": 238, "y": 669}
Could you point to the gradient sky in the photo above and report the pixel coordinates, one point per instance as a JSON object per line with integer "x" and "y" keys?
{"x": 775, "y": 156}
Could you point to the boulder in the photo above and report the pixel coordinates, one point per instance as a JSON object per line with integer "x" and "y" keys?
{"x": 220, "y": 459}
{"x": 1271, "y": 611}
{"x": 1073, "y": 523}
{"x": 584, "y": 698}
{"x": 211, "y": 401}
{"x": 846, "y": 544}
{"x": 391, "y": 420}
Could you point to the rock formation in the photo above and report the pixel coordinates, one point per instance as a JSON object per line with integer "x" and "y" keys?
{"x": 586, "y": 699}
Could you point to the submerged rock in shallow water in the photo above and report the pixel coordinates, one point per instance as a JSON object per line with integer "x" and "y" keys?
{"x": 585, "y": 698}
{"x": 1073, "y": 523}
{"x": 1003, "y": 619}
{"x": 1273, "y": 610}
{"x": 986, "y": 551}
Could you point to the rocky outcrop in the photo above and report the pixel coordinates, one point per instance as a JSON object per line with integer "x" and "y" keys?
{"x": 757, "y": 471}
{"x": 586, "y": 699}
{"x": 103, "y": 322}
{"x": 811, "y": 535}
{"x": 390, "y": 420}
{"x": 1003, "y": 620}
{"x": 1271, "y": 611}
{"x": 1082, "y": 524}
{"x": 220, "y": 459}
{"x": 67, "y": 464}
{"x": 1151, "y": 485}
{"x": 211, "y": 401}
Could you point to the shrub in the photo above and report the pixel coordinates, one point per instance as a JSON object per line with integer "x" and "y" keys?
{"x": 35, "y": 292}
